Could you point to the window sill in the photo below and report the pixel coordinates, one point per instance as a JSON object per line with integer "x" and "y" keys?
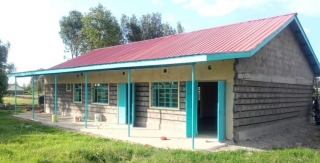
{"x": 164, "y": 108}
{"x": 96, "y": 103}
{"x": 78, "y": 102}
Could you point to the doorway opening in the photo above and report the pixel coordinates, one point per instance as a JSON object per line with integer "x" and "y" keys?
{"x": 207, "y": 108}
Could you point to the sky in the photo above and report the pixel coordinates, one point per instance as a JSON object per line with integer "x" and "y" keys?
{"x": 32, "y": 27}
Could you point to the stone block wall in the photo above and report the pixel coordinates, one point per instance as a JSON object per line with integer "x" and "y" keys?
{"x": 264, "y": 107}
{"x": 272, "y": 89}
{"x": 67, "y": 107}
{"x": 159, "y": 118}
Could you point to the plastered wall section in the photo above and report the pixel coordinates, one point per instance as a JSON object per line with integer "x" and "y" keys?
{"x": 221, "y": 70}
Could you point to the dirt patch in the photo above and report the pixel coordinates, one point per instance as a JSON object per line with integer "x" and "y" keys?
{"x": 301, "y": 135}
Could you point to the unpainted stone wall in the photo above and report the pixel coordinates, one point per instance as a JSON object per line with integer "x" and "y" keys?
{"x": 67, "y": 107}
{"x": 272, "y": 89}
{"x": 279, "y": 61}
{"x": 159, "y": 118}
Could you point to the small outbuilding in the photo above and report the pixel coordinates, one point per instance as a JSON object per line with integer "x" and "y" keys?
{"x": 234, "y": 82}
{"x": 11, "y": 90}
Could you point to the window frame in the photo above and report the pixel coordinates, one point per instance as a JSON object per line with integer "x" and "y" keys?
{"x": 70, "y": 87}
{"x": 74, "y": 85}
{"x": 162, "y": 107}
{"x": 92, "y": 94}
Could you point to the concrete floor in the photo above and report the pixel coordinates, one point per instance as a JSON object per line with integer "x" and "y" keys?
{"x": 140, "y": 135}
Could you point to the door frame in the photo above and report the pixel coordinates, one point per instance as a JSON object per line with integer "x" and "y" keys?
{"x": 223, "y": 100}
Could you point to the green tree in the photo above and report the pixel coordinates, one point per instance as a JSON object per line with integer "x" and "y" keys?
{"x": 135, "y": 33}
{"x": 10, "y": 68}
{"x": 71, "y": 35}
{"x": 39, "y": 82}
{"x": 130, "y": 29}
{"x": 168, "y": 30}
{"x": 101, "y": 28}
{"x": 180, "y": 28}
{"x": 4, "y": 49}
{"x": 151, "y": 26}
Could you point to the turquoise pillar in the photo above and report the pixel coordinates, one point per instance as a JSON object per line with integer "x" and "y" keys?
{"x": 86, "y": 100}
{"x": 133, "y": 103}
{"x": 128, "y": 105}
{"x": 32, "y": 97}
{"x": 55, "y": 98}
{"x": 15, "y": 95}
{"x": 221, "y": 110}
{"x": 192, "y": 103}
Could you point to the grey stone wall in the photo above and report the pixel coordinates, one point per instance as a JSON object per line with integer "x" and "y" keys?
{"x": 280, "y": 61}
{"x": 67, "y": 107}
{"x": 272, "y": 89}
{"x": 158, "y": 118}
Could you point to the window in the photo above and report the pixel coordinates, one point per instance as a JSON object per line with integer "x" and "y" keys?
{"x": 68, "y": 86}
{"x": 77, "y": 93}
{"x": 164, "y": 94}
{"x": 100, "y": 93}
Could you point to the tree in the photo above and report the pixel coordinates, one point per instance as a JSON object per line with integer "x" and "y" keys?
{"x": 98, "y": 28}
{"x": 101, "y": 28}
{"x": 10, "y": 68}
{"x": 130, "y": 29}
{"x": 4, "y": 49}
{"x": 71, "y": 35}
{"x": 180, "y": 28}
{"x": 168, "y": 30}
{"x": 151, "y": 26}
{"x": 38, "y": 84}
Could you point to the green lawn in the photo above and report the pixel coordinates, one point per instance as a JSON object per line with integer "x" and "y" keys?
{"x": 26, "y": 141}
{"x": 20, "y": 101}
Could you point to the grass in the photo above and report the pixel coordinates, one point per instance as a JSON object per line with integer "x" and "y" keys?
{"x": 20, "y": 101}
{"x": 27, "y": 141}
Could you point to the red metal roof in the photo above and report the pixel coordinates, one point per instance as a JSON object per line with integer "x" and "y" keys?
{"x": 237, "y": 37}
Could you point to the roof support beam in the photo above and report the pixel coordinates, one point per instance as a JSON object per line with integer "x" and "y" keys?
{"x": 32, "y": 97}
{"x": 55, "y": 116}
{"x": 15, "y": 95}
{"x": 86, "y": 99}
{"x": 193, "y": 103}
{"x": 128, "y": 105}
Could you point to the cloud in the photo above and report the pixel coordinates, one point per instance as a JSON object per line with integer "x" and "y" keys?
{"x": 156, "y": 2}
{"x": 221, "y": 7}
{"x": 309, "y": 8}
{"x": 224, "y": 7}
{"x": 178, "y": 1}
{"x": 307, "y": 30}
{"x": 169, "y": 17}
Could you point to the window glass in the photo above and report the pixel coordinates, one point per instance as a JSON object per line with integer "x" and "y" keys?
{"x": 164, "y": 94}
{"x": 100, "y": 93}
{"x": 77, "y": 93}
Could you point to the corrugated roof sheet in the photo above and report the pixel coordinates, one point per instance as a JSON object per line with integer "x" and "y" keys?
{"x": 237, "y": 37}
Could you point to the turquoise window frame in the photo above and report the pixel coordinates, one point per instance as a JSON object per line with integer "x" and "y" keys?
{"x": 68, "y": 87}
{"x": 77, "y": 93}
{"x": 100, "y": 93}
{"x": 164, "y": 95}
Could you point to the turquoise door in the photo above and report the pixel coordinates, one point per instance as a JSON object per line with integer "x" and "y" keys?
{"x": 189, "y": 117}
{"x": 122, "y": 103}
{"x": 221, "y": 110}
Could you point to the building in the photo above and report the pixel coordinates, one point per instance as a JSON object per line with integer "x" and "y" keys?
{"x": 11, "y": 90}
{"x": 238, "y": 81}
